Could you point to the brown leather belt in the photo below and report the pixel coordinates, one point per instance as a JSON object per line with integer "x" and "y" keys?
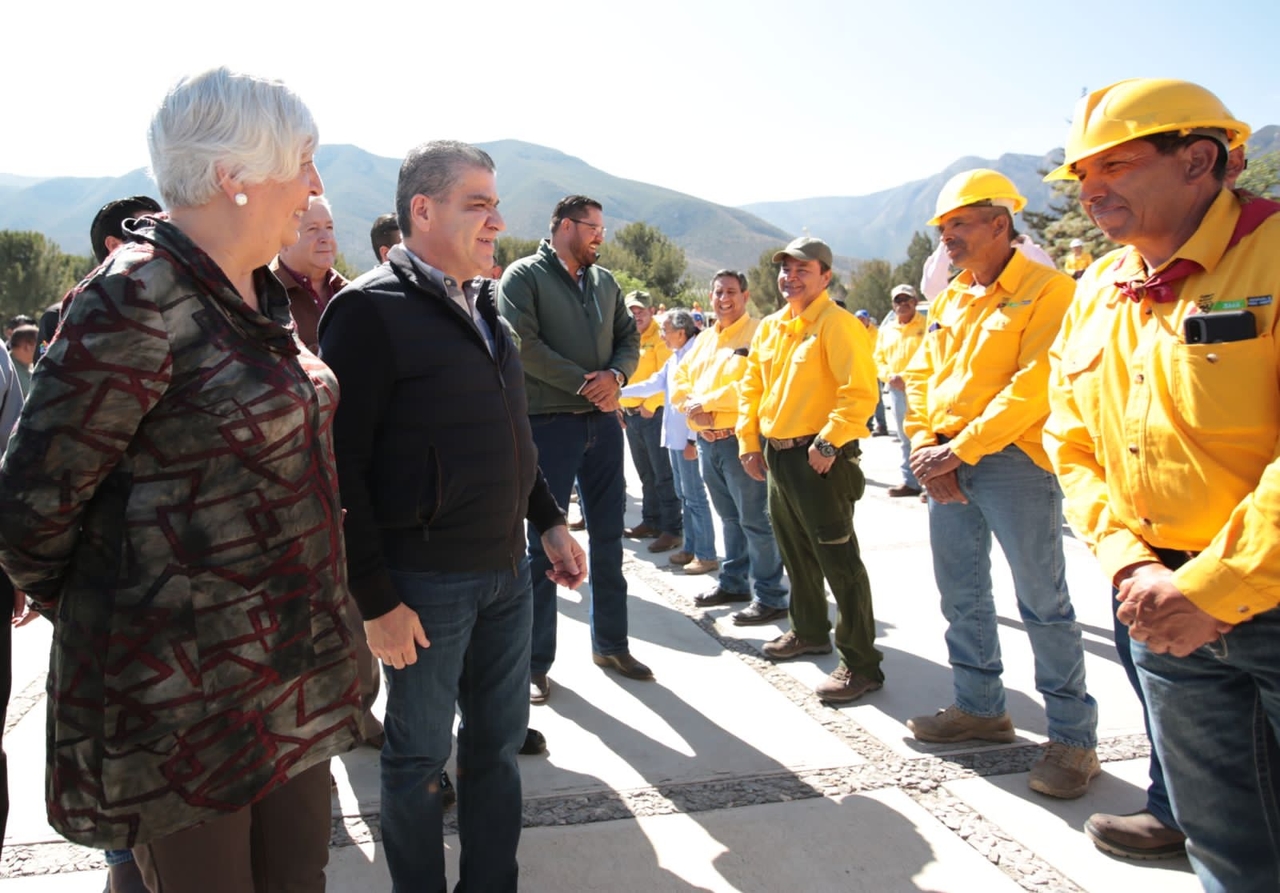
{"x": 711, "y": 435}
{"x": 788, "y": 443}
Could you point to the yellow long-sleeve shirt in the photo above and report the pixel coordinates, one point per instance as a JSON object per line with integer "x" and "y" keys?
{"x": 896, "y": 345}
{"x": 1160, "y": 443}
{"x": 653, "y": 353}
{"x": 813, "y": 374}
{"x": 710, "y": 372}
{"x": 981, "y": 375}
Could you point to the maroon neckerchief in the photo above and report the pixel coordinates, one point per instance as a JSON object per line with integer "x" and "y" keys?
{"x": 1159, "y": 287}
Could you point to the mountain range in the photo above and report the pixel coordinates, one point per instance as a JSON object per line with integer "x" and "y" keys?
{"x": 532, "y": 178}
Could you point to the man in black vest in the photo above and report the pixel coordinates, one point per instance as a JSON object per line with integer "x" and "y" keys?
{"x": 439, "y": 472}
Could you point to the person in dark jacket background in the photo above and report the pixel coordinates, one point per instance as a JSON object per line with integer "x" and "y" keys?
{"x": 439, "y": 473}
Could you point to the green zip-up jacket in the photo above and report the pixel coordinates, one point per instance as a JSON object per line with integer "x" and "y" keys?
{"x": 565, "y": 332}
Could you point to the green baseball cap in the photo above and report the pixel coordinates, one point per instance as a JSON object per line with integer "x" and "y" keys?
{"x": 640, "y": 299}
{"x": 805, "y": 248}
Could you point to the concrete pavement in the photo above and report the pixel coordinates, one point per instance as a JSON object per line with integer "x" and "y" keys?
{"x": 725, "y": 774}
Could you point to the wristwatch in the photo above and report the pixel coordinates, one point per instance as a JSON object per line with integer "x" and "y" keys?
{"x": 619, "y": 378}
{"x": 824, "y": 448}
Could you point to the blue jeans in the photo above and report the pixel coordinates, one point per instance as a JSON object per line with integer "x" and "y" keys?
{"x": 478, "y": 626}
{"x": 877, "y": 419}
{"x": 1157, "y": 792}
{"x": 659, "y": 497}
{"x": 1012, "y": 497}
{"x": 1214, "y": 718}
{"x": 587, "y": 446}
{"x": 750, "y": 549}
{"x": 897, "y": 401}
{"x": 699, "y": 532}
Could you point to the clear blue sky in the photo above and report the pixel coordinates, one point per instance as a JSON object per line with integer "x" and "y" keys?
{"x": 735, "y": 102}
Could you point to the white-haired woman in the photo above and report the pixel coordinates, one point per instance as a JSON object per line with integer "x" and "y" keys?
{"x": 169, "y": 501}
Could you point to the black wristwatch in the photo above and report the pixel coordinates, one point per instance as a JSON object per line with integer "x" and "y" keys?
{"x": 824, "y": 448}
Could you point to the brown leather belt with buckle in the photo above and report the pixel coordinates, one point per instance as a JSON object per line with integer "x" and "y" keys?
{"x": 711, "y": 435}
{"x": 789, "y": 443}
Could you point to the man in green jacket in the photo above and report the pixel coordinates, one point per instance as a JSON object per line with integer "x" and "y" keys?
{"x": 578, "y": 344}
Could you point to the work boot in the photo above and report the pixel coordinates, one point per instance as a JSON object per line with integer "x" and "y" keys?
{"x": 665, "y": 542}
{"x": 844, "y": 686}
{"x": 789, "y": 645}
{"x": 701, "y": 566}
{"x": 903, "y": 490}
{"x": 680, "y": 559}
{"x": 1064, "y": 771}
{"x": 1138, "y": 835}
{"x": 952, "y": 724}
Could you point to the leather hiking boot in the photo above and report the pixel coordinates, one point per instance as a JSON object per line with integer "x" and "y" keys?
{"x": 789, "y": 645}
{"x": 720, "y": 596}
{"x": 844, "y": 686}
{"x": 665, "y": 542}
{"x": 903, "y": 490}
{"x": 698, "y": 566}
{"x": 539, "y": 688}
{"x": 952, "y": 724}
{"x": 640, "y": 532}
{"x": 534, "y": 743}
{"x": 1064, "y": 771}
{"x": 680, "y": 559}
{"x": 757, "y": 613}
{"x": 1138, "y": 835}
{"x": 624, "y": 664}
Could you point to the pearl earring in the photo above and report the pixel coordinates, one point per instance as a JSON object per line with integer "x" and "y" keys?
{"x": 241, "y": 199}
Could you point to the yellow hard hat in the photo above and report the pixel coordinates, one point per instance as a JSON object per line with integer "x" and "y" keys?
{"x": 1141, "y": 107}
{"x": 975, "y": 186}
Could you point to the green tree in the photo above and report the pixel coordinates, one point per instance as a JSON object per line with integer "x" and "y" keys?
{"x": 762, "y": 281}
{"x": 509, "y": 248}
{"x": 869, "y": 287}
{"x": 911, "y": 270}
{"x": 34, "y": 272}
{"x": 646, "y": 253}
{"x": 345, "y": 270}
{"x": 1064, "y": 220}
{"x": 1262, "y": 176}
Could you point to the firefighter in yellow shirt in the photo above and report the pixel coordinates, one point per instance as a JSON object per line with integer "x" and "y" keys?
{"x": 660, "y": 515}
{"x": 808, "y": 390}
{"x": 976, "y": 393}
{"x": 899, "y": 338}
{"x": 1164, "y": 431}
{"x": 707, "y": 393}
{"x": 1078, "y": 260}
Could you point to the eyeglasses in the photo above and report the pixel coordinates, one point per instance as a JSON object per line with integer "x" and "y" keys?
{"x": 902, "y": 299}
{"x": 592, "y": 226}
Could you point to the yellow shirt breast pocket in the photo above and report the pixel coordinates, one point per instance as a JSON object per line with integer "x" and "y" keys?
{"x": 1227, "y": 389}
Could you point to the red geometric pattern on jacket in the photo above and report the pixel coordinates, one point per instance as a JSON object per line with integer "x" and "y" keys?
{"x": 170, "y": 497}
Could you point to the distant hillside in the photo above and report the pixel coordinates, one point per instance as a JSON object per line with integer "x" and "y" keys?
{"x": 531, "y": 179}
{"x": 881, "y": 224}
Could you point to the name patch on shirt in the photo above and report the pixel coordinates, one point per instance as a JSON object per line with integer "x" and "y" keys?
{"x": 1238, "y": 303}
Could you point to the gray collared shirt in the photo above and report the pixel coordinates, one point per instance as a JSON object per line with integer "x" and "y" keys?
{"x": 463, "y": 295}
